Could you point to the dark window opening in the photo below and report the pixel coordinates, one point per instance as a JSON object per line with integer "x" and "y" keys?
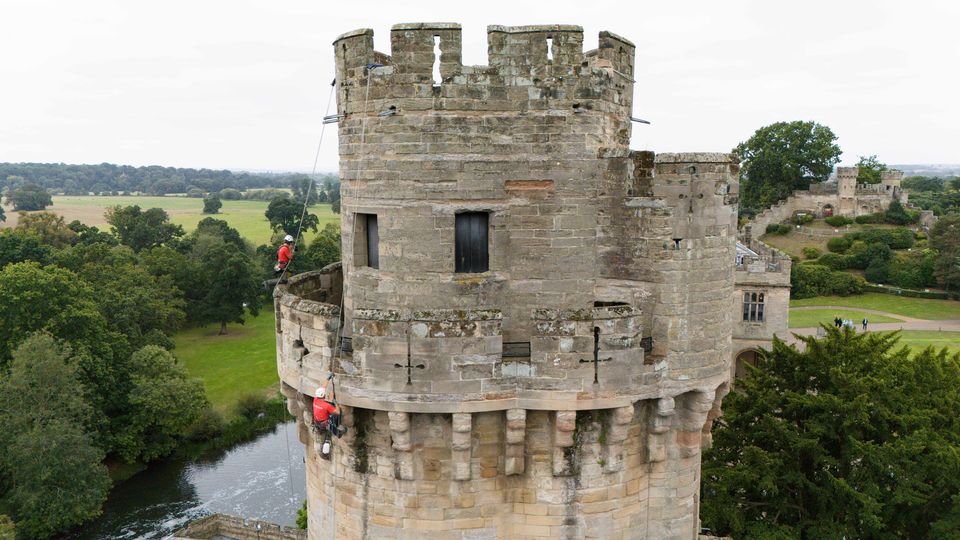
{"x": 471, "y": 242}
{"x": 516, "y": 349}
{"x": 753, "y": 307}
{"x": 601, "y": 303}
{"x": 367, "y": 251}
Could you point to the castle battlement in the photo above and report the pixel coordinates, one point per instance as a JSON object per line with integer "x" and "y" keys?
{"x": 531, "y": 69}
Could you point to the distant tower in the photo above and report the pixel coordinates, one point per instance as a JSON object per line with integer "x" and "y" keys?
{"x": 536, "y": 323}
{"x": 891, "y": 184}
{"x": 847, "y": 190}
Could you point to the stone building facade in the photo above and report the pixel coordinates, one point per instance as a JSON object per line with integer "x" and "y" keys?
{"x": 531, "y": 328}
{"x": 840, "y": 196}
{"x": 761, "y": 301}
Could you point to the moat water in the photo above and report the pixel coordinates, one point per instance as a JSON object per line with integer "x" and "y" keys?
{"x": 252, "y": 480}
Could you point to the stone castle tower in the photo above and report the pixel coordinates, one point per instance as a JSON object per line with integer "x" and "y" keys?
{"x": 531, "y": 326}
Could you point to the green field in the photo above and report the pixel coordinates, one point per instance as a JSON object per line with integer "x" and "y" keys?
{"x": 917, "y": 308}
{"x": 814, "y": 317}
{"x": 245, "y": 216}
{"x": 921, "y": 339}
{"x": 239, "y": 363}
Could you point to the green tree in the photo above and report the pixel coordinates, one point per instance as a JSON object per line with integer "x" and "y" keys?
{"x": 870, "y": 169}
{"x": 945, "y": 238}
{"x": 923, "y": 183}
{"x": 91, "y": 235}
{"x": 48, "y": 227}
{"x": 164, "y": 402}
{"x": 142, "y": 229}
{"x": 29, "y": 197}
{"x": 896, "y": 214}
{"x": 3, "y": 217}
{"x": 54, "y": 474}
{"x": 285, "y": 215}
{"x": 304, "y": 189}
{"x": 15, "y": 246}
{"x": 212, "y": 205}
{"x": 784, "y": 157}
{"x": 132, "y": 300}
{"x": 231, "y": 287}
{"x": 325, "y": 247}
{"x": 852, "y": 437}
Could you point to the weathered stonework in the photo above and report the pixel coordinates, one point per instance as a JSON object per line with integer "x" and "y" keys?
{"x": 567, "y": 391}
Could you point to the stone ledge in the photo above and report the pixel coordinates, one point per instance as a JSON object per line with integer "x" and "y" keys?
{"x": 534, "y": 28}
{"x": 355, "y": 33}
{"x": 695, "y": 157}
{"x": 426, "y": 26}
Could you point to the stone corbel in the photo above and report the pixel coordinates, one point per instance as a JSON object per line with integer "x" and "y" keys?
{"x": 661, "y": 420}
{"x": 706, "y": 437}
{"x": 617, "y": 433}
{"x": 516, "y": 432}
{"x": 696, "y": 407}
{"x": 564, "y": 462}
{"x": 460, "y": 454}
{"x": 402, "y": 445}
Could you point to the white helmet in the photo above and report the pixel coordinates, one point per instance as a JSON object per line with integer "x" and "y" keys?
{"x": 321, "y": 392}
{"x": 288, "y": 238}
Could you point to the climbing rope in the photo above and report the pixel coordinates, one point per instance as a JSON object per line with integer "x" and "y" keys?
{"x": 337, "y": 336}
{"x": 303, "y": 214}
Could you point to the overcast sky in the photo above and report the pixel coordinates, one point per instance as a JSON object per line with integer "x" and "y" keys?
{"x": 244, "y": 84}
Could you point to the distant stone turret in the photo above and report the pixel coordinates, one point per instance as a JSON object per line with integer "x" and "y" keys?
{"x": 536, "y": 325}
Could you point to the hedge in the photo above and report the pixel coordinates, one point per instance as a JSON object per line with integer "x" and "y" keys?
{"x": 838, "y": 221}
{"x": 838, "y": 244}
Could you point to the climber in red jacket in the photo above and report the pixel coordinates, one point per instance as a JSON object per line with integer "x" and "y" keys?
{"x": 284, "y": 254}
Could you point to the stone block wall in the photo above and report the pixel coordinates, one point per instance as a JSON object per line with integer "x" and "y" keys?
{"x": 628, "y": 472}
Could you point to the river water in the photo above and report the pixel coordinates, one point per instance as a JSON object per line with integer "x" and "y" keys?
{"x": 252, "y": 480}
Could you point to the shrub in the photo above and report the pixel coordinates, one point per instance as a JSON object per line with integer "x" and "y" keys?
{"x": 866, "y": 254}
{"x": 811, "y": 252}
{"x": 878, "y": 271}
{"x": 833, "y": 261}
{"x": 802, "y": 219}
{"x": 838, "y": 221}
{"x": 867, "y": 218}
{"x": 230, "y": 194}
{"x": 251, "y": 405}
{"x": 809, "y": 280}
{"x": 838, "y": 244}
{"x": 773, "y": 228}
{"x": 209, "y": 425}
{"x": 785, "y": 228}
{"x": 901, "y": 238}
{"x": 844, "y": 284}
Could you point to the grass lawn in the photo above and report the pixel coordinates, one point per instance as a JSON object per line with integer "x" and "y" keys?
{"x": 921, "y": 339}
{"x": 918, "y": 308}
{"x": 814, "y": 317}
{"x": 239, "y": 363}
{"x": 245, "y": 216}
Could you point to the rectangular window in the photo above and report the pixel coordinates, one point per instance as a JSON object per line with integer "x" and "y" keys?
{"x": 471, "y": 239}
{"x": 753, "y": 306}
{"x": 367, "y": 241}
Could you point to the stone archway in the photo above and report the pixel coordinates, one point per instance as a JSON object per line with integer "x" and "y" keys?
{"x": 827, "y": 210}
{"x": 746, "y": 356}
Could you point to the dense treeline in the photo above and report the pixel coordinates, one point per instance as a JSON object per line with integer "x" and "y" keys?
{"x": 86, "y": 372}
{"x": 108, "y": 178}
{"x": 941, "y": 195}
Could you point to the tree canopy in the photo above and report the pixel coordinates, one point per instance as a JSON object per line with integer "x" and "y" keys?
{"x": 28, "y": 197}
{"x": 784, "y": 157}
{"x": 286, "y": 214}
{"x": 54, "y": 471}
{"x": 212, "y": 205}
{"x": 869, "y": 170}
{"x": 945, "y": 237}
{"x": 142, "y": 229}
{"x": 852, "y": 437}
{"x": 48, "y": 227}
